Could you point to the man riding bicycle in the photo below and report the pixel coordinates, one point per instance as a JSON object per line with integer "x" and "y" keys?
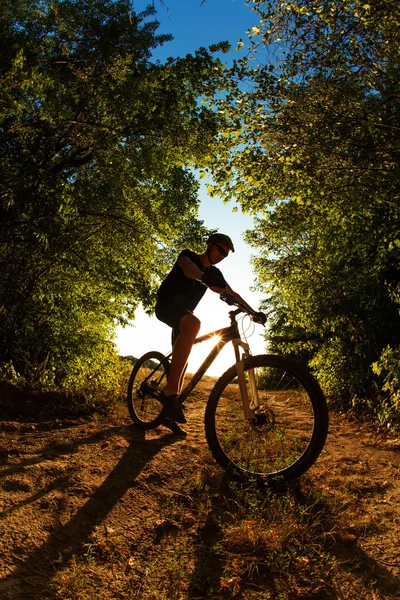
{"x": 178, "y": 296}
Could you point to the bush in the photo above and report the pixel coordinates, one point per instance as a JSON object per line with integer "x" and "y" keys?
{"x": 387, "y": 368}
{"x": 92, "y": 384}
{"x": 339, "y": 371}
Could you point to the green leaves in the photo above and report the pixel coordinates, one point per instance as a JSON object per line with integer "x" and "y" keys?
{"x": 97, "y": 145}
{"x": 317, "y": 162}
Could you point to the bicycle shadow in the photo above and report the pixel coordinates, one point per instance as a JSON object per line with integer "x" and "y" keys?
{"x": 211, "y": 560}
{"x": 52, "y": 451}
{"x": 66, "y": 541}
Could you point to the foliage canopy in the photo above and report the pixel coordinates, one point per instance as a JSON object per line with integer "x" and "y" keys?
{"x": 312, "y": 150}
{"x": 97, "y": 143}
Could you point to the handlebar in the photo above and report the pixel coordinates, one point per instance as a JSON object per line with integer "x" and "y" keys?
{"x": 257, "y": 317}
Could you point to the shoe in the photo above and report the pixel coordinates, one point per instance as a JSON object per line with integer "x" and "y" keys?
{"x": 179, "y": 415}
{"x": 173, "y": 426}
{"x": 172, "y": 407}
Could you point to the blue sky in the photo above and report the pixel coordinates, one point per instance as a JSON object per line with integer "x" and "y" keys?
{"x": 193, "y": 26}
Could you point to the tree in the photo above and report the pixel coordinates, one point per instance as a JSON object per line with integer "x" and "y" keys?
{"x": 97, "y": 144}
{"x": 312, "y": 149}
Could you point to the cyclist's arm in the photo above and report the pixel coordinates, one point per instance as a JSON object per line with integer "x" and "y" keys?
{"x": 239, "y": 298}
{"x": 189, "y": 268}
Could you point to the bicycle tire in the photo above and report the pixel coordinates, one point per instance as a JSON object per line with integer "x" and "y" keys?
{"x": 148, "y": 377}
{"x": 293, "y": 429}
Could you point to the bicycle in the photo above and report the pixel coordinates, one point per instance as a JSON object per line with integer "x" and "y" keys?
{"x": 266, "y": 416}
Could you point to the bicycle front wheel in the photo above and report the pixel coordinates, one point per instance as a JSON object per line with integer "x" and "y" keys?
{"x": 148, "y": 378}
{"x": 290, "y": 425}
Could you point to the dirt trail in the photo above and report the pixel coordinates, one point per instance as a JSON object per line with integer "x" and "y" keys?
{"x": 70, "y": 486}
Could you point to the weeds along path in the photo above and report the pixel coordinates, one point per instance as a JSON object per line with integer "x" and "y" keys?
{"x": 96, "y": 509}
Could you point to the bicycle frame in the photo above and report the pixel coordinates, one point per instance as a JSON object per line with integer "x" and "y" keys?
{"x": 226, "y": 335}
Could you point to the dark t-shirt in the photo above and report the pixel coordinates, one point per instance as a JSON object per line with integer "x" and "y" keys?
{"x": 176, "y": 286}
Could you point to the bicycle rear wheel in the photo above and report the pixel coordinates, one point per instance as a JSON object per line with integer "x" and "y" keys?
{"x": 290, "y": 426}
{"x": 148, "y": 378}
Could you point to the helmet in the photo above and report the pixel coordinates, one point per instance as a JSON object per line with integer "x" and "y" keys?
{"x": 221, "y": 238}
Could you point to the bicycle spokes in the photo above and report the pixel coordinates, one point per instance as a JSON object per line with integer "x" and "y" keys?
{"x": 148, "y": 378}
{"x": 279, "y": 435}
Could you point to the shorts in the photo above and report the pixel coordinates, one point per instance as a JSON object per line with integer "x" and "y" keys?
{"x": 170, "y": 311}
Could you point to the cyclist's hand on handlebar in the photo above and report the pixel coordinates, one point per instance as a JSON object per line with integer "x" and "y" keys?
{"x": 259, "y": 317}
{"x": 214, "y": 280}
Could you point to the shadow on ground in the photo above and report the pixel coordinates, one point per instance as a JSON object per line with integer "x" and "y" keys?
{"x": 35, "y": 572}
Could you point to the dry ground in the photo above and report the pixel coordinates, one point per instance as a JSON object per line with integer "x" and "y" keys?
{"x": 97, "y": 509}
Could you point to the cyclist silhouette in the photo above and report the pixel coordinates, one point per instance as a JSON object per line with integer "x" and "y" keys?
{"x": 178, "y": 296}
{"x": 266, "y": 418}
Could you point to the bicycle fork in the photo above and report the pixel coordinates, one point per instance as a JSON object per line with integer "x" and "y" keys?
{"x": 250, "y": 402}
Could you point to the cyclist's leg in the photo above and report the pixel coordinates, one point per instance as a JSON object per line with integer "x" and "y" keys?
{"x": 174, "y": 337}
{"x": 189, "y": 327}
{"x": 172, "y": 312}
{"x": 181, "y": 381}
